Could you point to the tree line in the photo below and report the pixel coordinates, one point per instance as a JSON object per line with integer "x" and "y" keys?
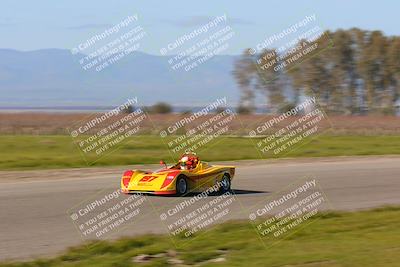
{"x": 352, "y": 72}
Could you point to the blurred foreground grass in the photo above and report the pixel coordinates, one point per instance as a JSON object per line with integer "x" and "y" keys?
{"x": 365, "y": 238}
{"x": 42, "y": 151}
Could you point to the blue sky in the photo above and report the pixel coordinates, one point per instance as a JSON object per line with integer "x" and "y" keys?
{"x": 31, "y": 25}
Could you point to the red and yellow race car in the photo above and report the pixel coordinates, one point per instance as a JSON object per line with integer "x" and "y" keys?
{"x": 190, "y": 174}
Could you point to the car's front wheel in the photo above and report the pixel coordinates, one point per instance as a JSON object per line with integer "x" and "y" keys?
{"x": 181, "y": 186}
{"x": 225, "y": 184}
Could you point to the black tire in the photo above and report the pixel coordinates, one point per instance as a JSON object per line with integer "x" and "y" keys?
{"x": 181, "y": 186}
{"x": 225, "y": 184}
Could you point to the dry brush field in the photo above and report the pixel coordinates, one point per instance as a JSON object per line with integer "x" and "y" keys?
{"x": 36, "y": 123}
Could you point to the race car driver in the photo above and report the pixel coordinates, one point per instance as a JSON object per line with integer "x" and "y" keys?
{"x": 188, "y": 162}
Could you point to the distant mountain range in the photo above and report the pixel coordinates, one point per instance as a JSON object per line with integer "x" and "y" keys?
{"x": 54, "y": 77}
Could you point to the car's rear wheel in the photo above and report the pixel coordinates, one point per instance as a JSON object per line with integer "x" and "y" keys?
{"x": 181, "y": 186}
{"x": 225, "y": 184}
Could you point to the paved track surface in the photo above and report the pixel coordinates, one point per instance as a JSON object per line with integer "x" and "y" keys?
{"x": 34, "y": 204}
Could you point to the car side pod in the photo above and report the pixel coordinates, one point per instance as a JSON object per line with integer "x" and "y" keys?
{"x": 169, "y": 178}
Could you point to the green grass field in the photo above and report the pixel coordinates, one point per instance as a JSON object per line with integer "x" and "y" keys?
{"x": 42, "y": 152}
{"x": 366, "y": 238}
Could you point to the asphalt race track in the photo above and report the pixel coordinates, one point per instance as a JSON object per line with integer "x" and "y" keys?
{"x": 34, "y": 204}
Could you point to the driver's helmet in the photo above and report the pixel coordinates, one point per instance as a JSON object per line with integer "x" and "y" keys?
{"x": 188, "y": 161}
